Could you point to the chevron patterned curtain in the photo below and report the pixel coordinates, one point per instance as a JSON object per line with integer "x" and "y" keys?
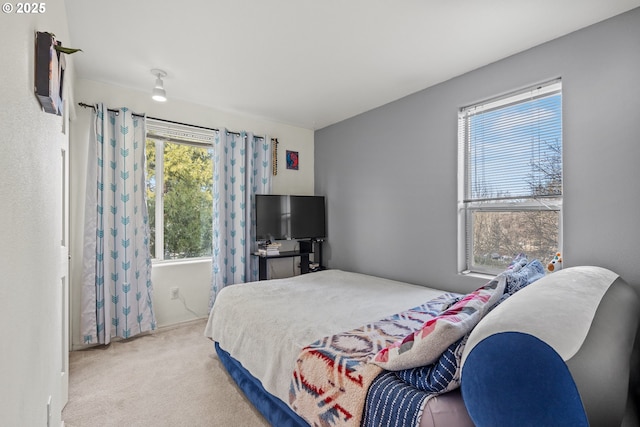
{"x": 241, "y": 169}
{"x": 116, "y": 288}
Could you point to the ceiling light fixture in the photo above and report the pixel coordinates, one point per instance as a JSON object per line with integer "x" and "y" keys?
{"x": 158, "y": 93}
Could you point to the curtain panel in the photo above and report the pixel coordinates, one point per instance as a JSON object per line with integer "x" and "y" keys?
{"x": 241, "y": 169}
{"x": 116, "y": 288}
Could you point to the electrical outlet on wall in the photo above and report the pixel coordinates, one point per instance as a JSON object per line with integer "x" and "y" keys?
{"x": 175, "y": 293}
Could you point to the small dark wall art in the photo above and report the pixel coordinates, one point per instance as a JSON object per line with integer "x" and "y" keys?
{"x": 292, "y": 160}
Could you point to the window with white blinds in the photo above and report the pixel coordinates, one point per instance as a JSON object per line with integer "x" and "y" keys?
{"x": 510, "y": 197}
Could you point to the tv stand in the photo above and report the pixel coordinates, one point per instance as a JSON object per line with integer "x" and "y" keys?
{"x": 263, "y": 260}
{"x": 306, "y": 248}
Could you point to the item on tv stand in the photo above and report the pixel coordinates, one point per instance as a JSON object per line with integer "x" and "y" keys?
{"x": 314, "y": 266}
{"x": 269, "y": 248}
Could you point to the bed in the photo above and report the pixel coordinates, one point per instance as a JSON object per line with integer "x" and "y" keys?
{"x": 261, "y": 337}
{"x": 297, "y": 346}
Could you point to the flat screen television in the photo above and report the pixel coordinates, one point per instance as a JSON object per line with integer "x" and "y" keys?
{"x": 285, "y": 217}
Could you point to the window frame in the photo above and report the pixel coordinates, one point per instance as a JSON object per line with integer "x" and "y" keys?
{"x": 466, "y": 208}
{"x": 160, "y": 132}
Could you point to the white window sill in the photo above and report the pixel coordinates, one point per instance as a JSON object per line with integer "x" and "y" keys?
{"x": 181, "y": 261}
{"x": 484, "y": 276}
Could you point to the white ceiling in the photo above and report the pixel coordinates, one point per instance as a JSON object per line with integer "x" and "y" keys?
{"x": 310, "y": 63}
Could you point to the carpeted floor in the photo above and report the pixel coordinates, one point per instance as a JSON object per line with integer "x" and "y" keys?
{"x": 168, "y": 378}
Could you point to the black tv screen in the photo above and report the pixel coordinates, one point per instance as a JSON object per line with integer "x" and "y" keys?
{"x": 284, "y": 217}
{"x": 307, "y": 217}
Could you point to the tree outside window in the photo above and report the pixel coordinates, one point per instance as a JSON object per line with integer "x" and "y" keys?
{"x": 179, "y": 184}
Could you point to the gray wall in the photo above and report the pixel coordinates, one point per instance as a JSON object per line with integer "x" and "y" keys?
{"x": 390, "y": 174}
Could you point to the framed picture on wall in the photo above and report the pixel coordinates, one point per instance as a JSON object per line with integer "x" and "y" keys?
{"x": 292, "y": 160}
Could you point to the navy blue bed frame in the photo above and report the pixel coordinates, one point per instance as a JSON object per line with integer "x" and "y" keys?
{"x": 273, "y": 409}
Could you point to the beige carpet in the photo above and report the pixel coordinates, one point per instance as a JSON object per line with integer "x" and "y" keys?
{"x": 168, "y": 378}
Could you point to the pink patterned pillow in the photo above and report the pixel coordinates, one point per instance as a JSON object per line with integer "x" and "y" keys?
{"x": 425, "y": 345}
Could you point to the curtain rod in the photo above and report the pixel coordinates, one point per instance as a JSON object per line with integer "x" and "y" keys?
{"x": 85, "y": 105}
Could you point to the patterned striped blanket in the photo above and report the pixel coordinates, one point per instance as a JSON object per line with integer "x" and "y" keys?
{"x": 398, "y": 398}
{"x": 332, "y": 375}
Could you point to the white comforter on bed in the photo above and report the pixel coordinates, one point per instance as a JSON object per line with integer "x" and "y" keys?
{"x": 264, "y": 325}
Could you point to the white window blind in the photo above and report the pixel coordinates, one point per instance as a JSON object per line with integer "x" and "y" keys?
{"x": 513, "y": 146}
{"x": 179, "y": 133}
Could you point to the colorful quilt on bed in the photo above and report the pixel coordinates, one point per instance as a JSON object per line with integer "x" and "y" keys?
{"x": 332, "y": 375}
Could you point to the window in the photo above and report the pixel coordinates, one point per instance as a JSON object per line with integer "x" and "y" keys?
{"x": 510, "y": 186}
{"x": 179, "y": 190}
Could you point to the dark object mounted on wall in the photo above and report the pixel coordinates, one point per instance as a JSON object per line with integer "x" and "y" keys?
{"x": 50, "y": 66}
{"x": 49, "y": 79}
